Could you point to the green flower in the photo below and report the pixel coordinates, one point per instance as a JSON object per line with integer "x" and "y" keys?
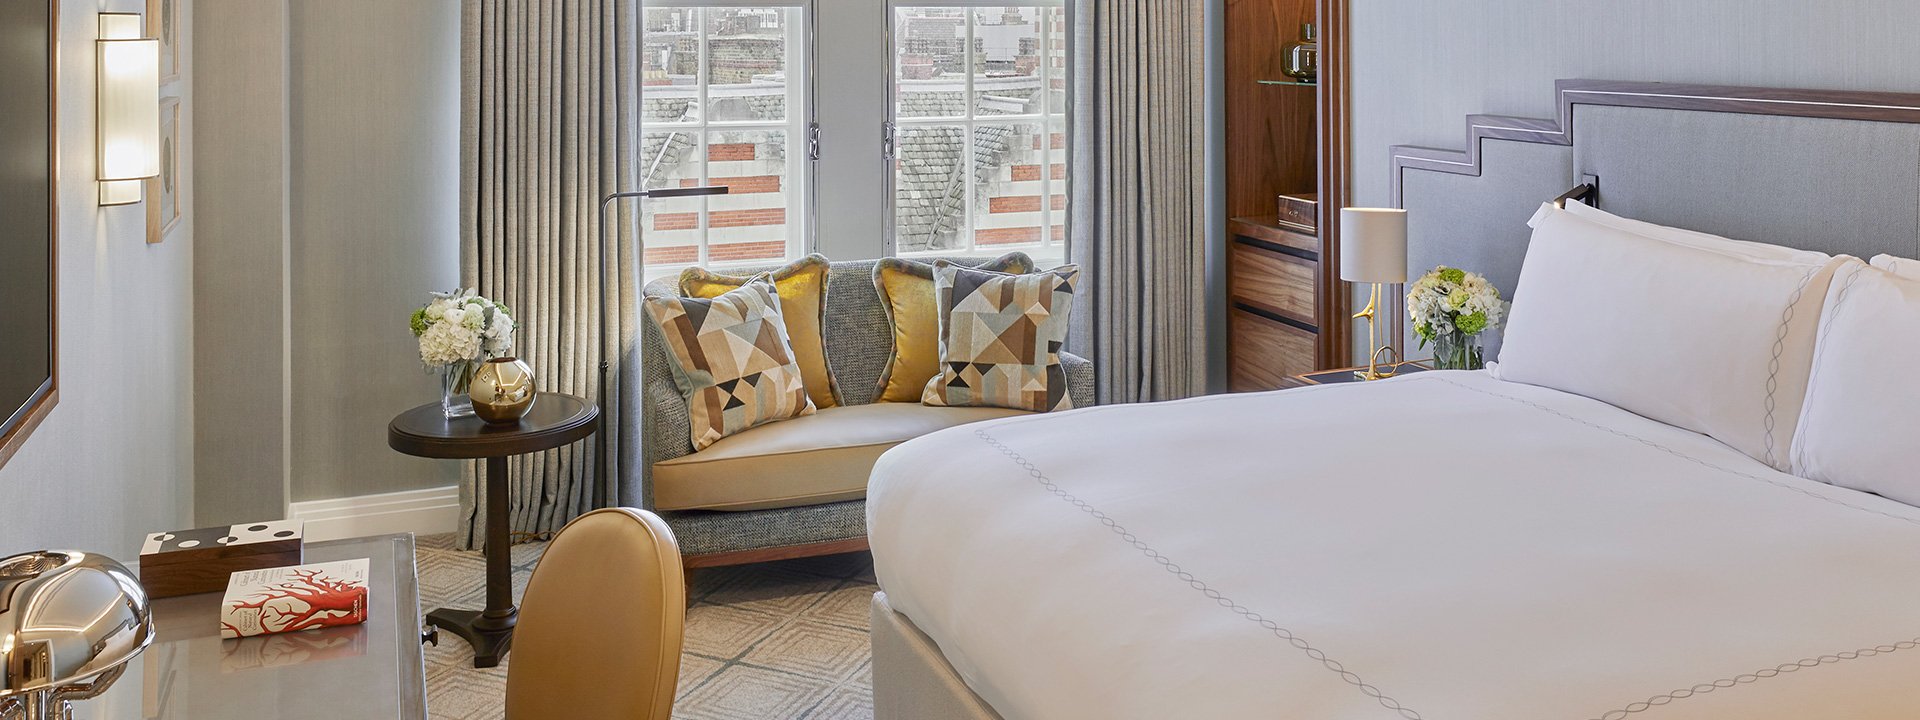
{"x": 1452, "y": 275}
{"x": 418, "y": 322}
{"x": 1471, "y": 324}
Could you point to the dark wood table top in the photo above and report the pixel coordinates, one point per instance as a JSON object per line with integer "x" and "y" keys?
{"x": 556, "y": 419}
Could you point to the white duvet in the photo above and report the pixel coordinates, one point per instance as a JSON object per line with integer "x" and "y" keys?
{"x": 1441, "y": 546}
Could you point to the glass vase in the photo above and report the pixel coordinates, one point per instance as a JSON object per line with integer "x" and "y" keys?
{"x": 454, "y": 382}
{"x": 1457, "y": 351}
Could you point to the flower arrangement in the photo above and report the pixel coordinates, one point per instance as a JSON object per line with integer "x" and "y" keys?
{"x": 1450, "y": 308}
{"x": 458, "y": 331}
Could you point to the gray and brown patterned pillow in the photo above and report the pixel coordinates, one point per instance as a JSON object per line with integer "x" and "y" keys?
{"x": 1000, "y": 338}
{"x": 732, "y": 360}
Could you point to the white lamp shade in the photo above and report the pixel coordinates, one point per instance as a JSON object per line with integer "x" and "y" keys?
{"x": 1373, "y": 245}
{"x": 128, "y": 110}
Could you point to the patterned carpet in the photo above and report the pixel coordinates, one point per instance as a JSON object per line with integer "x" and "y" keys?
{"x": 763, "y": 642}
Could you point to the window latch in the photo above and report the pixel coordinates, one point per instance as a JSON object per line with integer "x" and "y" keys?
{"x": 813, "y": 141}
{"x": 888, "y": 145}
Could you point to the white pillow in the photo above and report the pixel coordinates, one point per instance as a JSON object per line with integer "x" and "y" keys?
{"x": 1707, "y": 334}
{"x": 1691, "y": 238}
{"x": 1898, "y": 265}
{"x": 1861, "y": 426}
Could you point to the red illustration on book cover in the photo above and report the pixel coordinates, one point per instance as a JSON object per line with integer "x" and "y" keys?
{"x": 291, "y": 599}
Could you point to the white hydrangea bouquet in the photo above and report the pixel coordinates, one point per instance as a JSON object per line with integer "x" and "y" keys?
{"x": 458, "y": 331}
{"x": 1450, "y": 308}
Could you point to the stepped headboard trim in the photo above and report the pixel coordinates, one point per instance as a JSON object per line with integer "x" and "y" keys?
{"x": 1834, "y": 104}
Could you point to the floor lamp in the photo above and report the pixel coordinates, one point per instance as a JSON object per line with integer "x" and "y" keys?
{"x": 603, "y": 494}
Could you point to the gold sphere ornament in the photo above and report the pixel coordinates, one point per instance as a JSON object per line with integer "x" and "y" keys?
{"x": 502, "y": 390}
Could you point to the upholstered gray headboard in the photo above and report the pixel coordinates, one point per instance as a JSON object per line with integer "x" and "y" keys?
{"x": 1832, "y": 171}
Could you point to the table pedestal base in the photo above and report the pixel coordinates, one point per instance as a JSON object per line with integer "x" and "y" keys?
{"x": 490, "y": 637}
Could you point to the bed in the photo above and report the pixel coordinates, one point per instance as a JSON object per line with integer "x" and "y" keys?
{"x": 1442, "y": 545}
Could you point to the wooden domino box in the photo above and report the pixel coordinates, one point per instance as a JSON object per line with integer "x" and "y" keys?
{"x": 186, "y": 562}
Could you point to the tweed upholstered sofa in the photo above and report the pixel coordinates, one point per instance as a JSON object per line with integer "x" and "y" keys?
{"x": 792, "y": 488}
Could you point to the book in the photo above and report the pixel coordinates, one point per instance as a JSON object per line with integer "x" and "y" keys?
{"x": 294, "y": 598}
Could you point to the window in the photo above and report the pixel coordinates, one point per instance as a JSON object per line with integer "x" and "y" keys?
{"x": 724, "y": 102}
{"x": 929, "y": 128}
{"x": 979, "y": 130}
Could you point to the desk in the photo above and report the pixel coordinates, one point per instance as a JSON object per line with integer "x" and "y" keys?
{"x": 371, "y": 671}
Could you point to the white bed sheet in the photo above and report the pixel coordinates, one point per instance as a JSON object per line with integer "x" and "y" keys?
{"x": 1440, "y": 546}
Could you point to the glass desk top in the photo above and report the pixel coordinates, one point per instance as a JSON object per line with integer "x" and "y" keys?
{"x": 373, "y": 670}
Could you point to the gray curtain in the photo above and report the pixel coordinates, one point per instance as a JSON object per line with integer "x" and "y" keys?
{"x": 549, "y": 125}
{"x": 1139, "y": 205}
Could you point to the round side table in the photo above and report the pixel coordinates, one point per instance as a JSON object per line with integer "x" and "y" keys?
{"x": 426, "y": 431}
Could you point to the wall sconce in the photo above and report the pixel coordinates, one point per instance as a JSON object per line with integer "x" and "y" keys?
{"x": 128, "y": 112}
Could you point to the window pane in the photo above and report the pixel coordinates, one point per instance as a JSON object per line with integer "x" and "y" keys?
{"x": 1057, "y": 187}
{"x": 981, "y": 100}
{"x": 750, "y": 222}
{"x": 1007, "y": 58}
{"x": 670, "y": 227}
{"x": 723, "y": 94}
{"x": 670, "y": 65}
{"x": 930, "y": 62}
{"x": 746, "y": 64}
{"x": 1010, "y": 205}
{"x": 1056, "y": 31}
{"x": 930, "y": 188}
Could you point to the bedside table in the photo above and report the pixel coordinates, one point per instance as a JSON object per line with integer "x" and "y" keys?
{"x": 1346, "y": 375}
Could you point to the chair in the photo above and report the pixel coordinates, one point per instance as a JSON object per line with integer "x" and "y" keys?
{"x": 601, "y": 622}
{"x": 794, "y": 488}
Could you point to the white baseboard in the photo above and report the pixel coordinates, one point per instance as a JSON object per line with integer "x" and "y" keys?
{"x": 421, "y": 512}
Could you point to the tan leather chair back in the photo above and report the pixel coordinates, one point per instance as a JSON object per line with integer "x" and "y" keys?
{"x": 601, "y": 622}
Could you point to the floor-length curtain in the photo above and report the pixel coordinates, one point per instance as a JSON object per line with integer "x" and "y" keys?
{"x": 1139, "y": 203}
{"x": 548, "y": 127}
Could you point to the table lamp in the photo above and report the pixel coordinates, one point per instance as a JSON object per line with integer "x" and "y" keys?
{"x": 1373, "y": 249}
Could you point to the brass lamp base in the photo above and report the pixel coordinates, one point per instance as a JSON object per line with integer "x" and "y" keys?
{"x": 1373, "y": 371}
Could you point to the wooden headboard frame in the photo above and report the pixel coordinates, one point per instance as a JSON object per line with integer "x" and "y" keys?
{"x": 1883, "y": 107}
{"x": 1834, "y": 104}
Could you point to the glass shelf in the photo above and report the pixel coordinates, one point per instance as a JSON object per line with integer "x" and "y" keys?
{"x": 1296, "y": 83}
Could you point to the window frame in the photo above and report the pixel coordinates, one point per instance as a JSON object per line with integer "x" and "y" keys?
{"x": 802, "y": 129}
{"x": 893, "y": 125}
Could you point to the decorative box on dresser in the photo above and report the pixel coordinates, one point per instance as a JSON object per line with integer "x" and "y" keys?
{"x": 1274, "y": 285}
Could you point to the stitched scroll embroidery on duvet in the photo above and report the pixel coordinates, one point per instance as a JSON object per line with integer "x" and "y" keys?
{"x": 1197, "y": 584}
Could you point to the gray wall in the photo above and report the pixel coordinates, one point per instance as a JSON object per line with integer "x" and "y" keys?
{"x": 114, "y": 458}
{"x": 376, "y": 226}
{"x": 338, "y": 193}
{"x": 1421, "y": 66}
{"x": 240, "y": 264}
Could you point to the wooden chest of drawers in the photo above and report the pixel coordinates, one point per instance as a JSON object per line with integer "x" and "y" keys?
{"x": 1275, "y": 299}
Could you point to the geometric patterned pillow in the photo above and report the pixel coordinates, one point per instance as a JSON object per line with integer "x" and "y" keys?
{"x": 731, "y": 360}
{"x": 1000, "y": 338}
{"x": 802, "y": 285}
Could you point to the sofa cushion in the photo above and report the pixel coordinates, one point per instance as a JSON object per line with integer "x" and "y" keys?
{"x": 821, "y": 458}
{"x": 802, "y": 287}
{"x": 731, "y": 360}
{"x": 906, "y": 291}
{"x": 1000, "y": 338}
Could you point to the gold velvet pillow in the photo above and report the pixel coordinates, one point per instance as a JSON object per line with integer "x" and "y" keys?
{"x": 906, "y": 291}
{"x": 802, "y": 286}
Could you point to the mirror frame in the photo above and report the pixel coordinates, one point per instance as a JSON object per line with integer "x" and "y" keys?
{"x": 19, "y": 423}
